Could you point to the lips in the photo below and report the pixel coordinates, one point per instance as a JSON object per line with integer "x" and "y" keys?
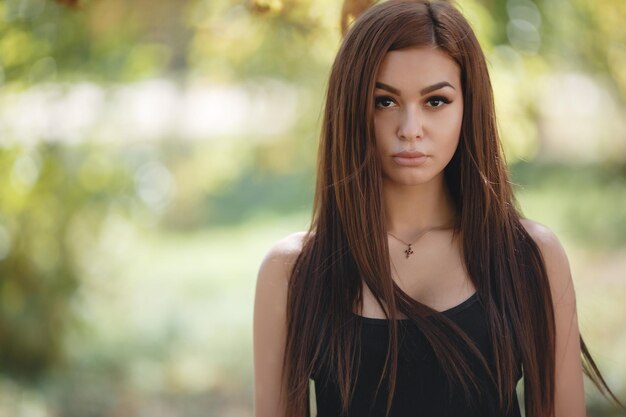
{"x": 409, "y": 158}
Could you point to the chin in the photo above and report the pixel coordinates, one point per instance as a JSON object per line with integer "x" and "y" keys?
{"x": 409, "y": 180}
{"x": 412, "y": 176}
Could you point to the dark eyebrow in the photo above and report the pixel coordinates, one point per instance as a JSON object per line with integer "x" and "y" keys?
{"x": 424, "y": 90}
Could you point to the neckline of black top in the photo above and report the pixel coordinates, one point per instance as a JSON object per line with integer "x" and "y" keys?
{"x": 451, "y": 311}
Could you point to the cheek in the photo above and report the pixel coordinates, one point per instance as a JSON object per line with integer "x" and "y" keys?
{"x": 454, "y": 127}
{"x": 381, "y": 130}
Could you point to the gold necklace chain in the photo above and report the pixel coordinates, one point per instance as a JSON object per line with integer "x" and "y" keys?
{"x": 409, "y": 250}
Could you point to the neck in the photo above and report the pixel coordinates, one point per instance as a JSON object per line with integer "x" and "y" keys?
{"x": 415, "y": 208}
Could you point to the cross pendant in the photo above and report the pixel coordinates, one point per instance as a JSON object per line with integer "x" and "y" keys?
{"x": 408, "y": 251}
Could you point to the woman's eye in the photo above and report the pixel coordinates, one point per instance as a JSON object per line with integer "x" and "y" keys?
{"x": 384, "y": 102}
{"x": 438, "y": 99}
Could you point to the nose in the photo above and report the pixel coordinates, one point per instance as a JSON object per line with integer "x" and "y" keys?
{"x": 411, "y": 126}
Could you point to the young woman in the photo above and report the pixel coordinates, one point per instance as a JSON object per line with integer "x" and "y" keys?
{"x": 419, "y": 289}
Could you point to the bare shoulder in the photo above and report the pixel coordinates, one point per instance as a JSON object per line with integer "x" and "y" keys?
{"x": 548, "y": 242}
{"x": 554, "y": 256}
{"x": 281, "y": 257}
{"x": 270, "y": 324}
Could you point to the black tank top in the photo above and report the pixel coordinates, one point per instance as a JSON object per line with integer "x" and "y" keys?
{"x": 421, "y": 388}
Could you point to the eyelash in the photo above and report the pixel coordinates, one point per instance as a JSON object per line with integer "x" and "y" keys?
{"x": 380, "y": 99}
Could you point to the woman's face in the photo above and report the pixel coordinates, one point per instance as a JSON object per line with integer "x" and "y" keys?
{"x": 418, "y": 110}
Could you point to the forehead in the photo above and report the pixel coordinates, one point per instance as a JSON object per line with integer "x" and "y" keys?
{"x": 412, "y": 68}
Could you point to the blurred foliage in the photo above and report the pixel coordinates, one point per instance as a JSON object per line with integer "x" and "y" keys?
{"x": 573, "y": 34}
{"x": 111, "y": 40}
{"x": 53, "y": 199}
{"x": 294, "y": 40}
{"x": 230, "y": 42}
{"x": 227, "y": 182}
{"x": 583, "y": 202}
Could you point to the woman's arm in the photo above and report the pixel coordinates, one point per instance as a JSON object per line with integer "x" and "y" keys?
{"x": 269, "y": 326}
{"x": 569, "y": 391}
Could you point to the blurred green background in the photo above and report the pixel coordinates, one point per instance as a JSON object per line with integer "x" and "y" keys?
{"x": 152, "y": 151}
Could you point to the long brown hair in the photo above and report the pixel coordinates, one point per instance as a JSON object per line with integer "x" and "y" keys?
{"x": 347, "y": 245}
